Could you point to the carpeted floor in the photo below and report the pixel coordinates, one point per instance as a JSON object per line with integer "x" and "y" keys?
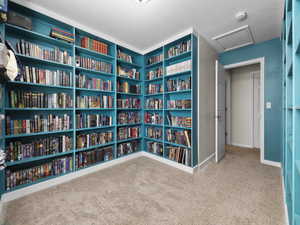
{"x": 238, "y": 191}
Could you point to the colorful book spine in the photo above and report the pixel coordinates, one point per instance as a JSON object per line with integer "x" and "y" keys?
{"x": 93, "y": 64}
{"x": 155, "y": 59}
{"x": 179, "y": 104}
{"x": 124, "y": 56}
{"x": 25, "y": 176}
{"x": 154, "y": 88}
{"x": 131, "y": 73}
{"x": 127, "y": 148}
{"x": 154, "y": 132}
{"x": 179, "y": 49}
{"x": 128, "y": 132}
{"x": 179, "y": 67}
{"x": 125, "y": 87}
{"x": 84, "y": 81}
{"x": 179, "y": 137}
{"x": 180, "y": 155}
{"x": 93, "y": 139}
{"x": 155, "y": 73}
{"x": 94, "y": 45}
{"x": 84, "y": 120}
{"x": 153, "y": 103}
{"x": 153, "y": 118}
{"x": 19, "y": 150}
{"x": 179, "y": 84}
{"x": 179, "y": 121}
{"x": 101, "y": 101}
{"x": 129, "y": 103}
{"x": 155, "y": 147}
{"x": 128, "y": 118}
{"x": 52, "y": 54}
{"x": 61, "y": 34}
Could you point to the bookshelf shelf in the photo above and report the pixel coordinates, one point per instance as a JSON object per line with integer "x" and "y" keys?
{"x": 37, "y": 158}
{"x": 154, "y": 65}
{"x": 177, "y": 145}
{"x": 96, "y": 109}
{"x": 93, "y": 147}
{"x": 153, "y": 125}
{"x": 156, "y": 94}
{"x": 93, "y": 90}
{"x": 154, "y": 139}
{"x": 178, "y": 74}
{"x": 155, "y": 79}
{"x": 121, "y": 109}
{"x": 153, "y": 109}
{"x": 48, "y": 62}
{"x": 124, "y": 93}
{"x": 37, "y": 134}
{"x": 177, "y": 109}
{"x": 180, "y": 56}
{"x": 38, "y": 109}
{"x": 174, "y": 127}
{"x": 128, "y": 140}
{"x": 94, "y": 128}
{"x": 128, "y": 78}
{"x": 129, "y": 124}
{"x": 37, "y": 36}
{"x": 177, "y": 92}
{"x": 120, "y": 61}
{"x": 94, "y": 71}
{"x": 93, "y": 53}
{"x": 38, "y": 85}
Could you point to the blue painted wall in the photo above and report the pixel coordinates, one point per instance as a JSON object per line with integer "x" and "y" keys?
{"x": 272, "y": 51}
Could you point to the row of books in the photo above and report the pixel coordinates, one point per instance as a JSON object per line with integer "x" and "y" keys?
{"x": 154, "y": 103}
{"x": 94, "y": 45}
{"x": 179, "y": 121}
{"x": 125, "y": 87}
{"x": 84, "y": 81}
{"x": 182, "y": 137}
{"x": 127, "y": 148}
{"x": 180, "y": 155}
{"x": 25, "y": 176}
{"x": 129, "y": 103}
{"x": 129, "y": 73}
{"x": 19, "y": 150}
{"x": 28, "y": 99}
{"x": 179, "y": 67}
{"x": 180, "y": 48}
{"x": 88, "y": 158}
{"x": 52, "y": 54}
{"x": 128, "y": 117}
{"x": 154, "y": 88}
{"x": 39, "y": 123}
{"x": 155, "y": 73}
{"x": 124, "y": 56}
{"x": 128, "y": 132}
{"x": 179, "y": 84}
{"x": 154, "y": 132}
{"x": 153, "y": 118}
{"x": 100, "y": 101}
{"x": 92, "y": 139}
{"x": 155, "y": 147}
{"x": 84, "y": 120}
{"x": 93, "y": 64}
{"x": 179, "y": 104}
{"x": 61, "y": 34}
{"x": 155, "y": 59}
{"x": 36, "y": 75}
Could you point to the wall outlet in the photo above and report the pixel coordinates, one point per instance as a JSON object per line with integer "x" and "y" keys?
{"x": 268, "y": 105}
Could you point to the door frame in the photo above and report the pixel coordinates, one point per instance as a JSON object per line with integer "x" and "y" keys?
{"x": 252, "y": 74}
{"x": 261, "y": 61}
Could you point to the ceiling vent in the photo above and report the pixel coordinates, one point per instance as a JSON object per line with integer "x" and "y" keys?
{"x": 237, "y": 38}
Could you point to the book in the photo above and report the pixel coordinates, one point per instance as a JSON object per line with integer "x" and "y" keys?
{"x": 39, "y": 123}
{"x": 182, "y": 137}
{"x": 179, "y": 121}
{"x": 179, "y": 104}
{"x": 179, "y": 67}
{"x": 84, "y": 81}
{"x": 88, "y": 158}
{"x": 46, "y": 53}
{"x": 128, "y": 103}
{"x": 100, "y": 101}
{"x": 179, "y": 84}
{"x": 155, "y": 73}
{"x": 29, "y": 99}
{"x": 154, "y": 88}
{"x": 182, "y": 47}
{"x": 61, "y": 34}
{"x": 128, "y": 132}
{"x": 37, "y": 75}
{"x": 23, "y": 149}
{"x": 131, "y": 73}
{"x": 93, "y": 64}
{"x": 93, "y": 139}
{"x": 154, "y": 132}
{"x": 154, "y": 103}
{"x": 124, "y": 56}
{"x": 125, "y": 87}
{"x": 85, "y": 120}
{"x": 153, "y": 118}
{"x": 94, "y": 45}
{"x": 127, "y": 148}
{"x": 128, "y": 118}
{"x": 55, "y": 167}
{"x": 179, "y": 154}
{"x": 155, "y": 147}
{"x": 155, "y": 59}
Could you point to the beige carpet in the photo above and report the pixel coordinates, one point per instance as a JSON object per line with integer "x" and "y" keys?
{"x": 238, "y": 191}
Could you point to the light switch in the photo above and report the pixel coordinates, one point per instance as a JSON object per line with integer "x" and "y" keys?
{"x": 268, "y": 105}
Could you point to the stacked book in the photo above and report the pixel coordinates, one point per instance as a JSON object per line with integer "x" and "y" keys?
{"x": 84, "y": 81}
{"x": 129, "y": 73}
{"x": 84, "y": 120}
{"x": 180, "y": 48}
{"x": 128, "y": 118}
{"x": 125, "y": 87}
{"x": 94, "y": 45}
{"x": 24, "y": 176}
{"x": 52, "y": 54}
{"x": 179, "y": 104}
{"x": 61, "y": 34}
{"x": 93, "y": 139}
{"x": 93, "y": 64}
{"x": 101, "y": 101}
{"x": 153, "y": 118}
{"x": 179, "y": 137}
{"x": 129, "y": 103}
{"x": 128, "y": 132}
{"x": 127, "y": 148}
{"x": 154, "y": 88}
{"x": 155, "y": 59}
{"x": 179, "y": 84}
{"x": 19, "y": 150}
{"x": 154, "y": 132}
{"x": 156, "y": 73}
{"x": 179, "y": 67}
{"x": 153, "y": 103}
{"x": 180, "y": 155}
{"x": 155, "y": 147}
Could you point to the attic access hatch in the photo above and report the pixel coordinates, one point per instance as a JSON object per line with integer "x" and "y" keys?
{"x": 237, "y": 38}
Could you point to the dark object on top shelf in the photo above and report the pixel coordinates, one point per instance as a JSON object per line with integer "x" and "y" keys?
{"x": 61, "y": 34}
{"x": 19, "y": 20}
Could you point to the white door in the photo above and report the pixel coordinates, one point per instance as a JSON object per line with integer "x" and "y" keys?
{"x": 256, "y": 109}
{"x": 220, "y": 111}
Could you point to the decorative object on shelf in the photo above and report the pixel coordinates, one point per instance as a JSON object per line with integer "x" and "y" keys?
{"x": 17, "y": 19}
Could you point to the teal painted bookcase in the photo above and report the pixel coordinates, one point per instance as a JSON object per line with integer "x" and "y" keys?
{"x": 128, "y": 93}
{"x": 291, "y": 68}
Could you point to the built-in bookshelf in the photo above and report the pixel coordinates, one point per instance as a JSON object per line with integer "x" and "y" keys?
{"x": 83, "y": 103}
{"x": 170, "y": 98}
{"x": 291, "y": 68}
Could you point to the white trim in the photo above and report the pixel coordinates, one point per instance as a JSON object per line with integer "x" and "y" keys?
{"x": 284, "y": 199}
{"x": 271, "y": 163}
{"x": 216, "y": 111}
{"x": 169, "y": 162}
{"x": 251, "y": 109}
{"x": 62, "y": 179}
{"x": 261, "y": 61}
{"x": 206, "y": 160}
{"x": 241, "y": 145}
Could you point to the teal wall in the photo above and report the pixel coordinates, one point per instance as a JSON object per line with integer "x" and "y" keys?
{"x": 272, "y": 51}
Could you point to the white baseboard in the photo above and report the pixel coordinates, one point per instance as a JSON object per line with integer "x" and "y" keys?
{"x": 284, "y": 200}
{"x": 206, "y": 160}
{"x": 271, "y": 163}
{"x": 65, "y": 178}
{"x": 169, "y": 162}
{"x": 241, "y": 145}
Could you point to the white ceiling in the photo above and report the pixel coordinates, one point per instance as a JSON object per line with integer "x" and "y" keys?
{"x": 143, "y": 26}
